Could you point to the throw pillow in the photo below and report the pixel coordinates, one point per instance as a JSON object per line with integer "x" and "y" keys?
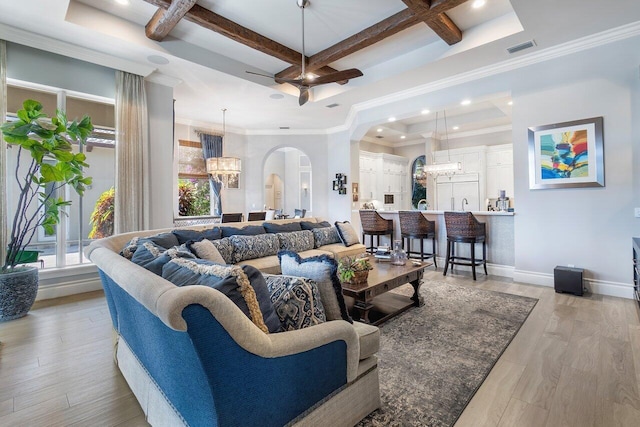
{"x": 296, "y": 301}
{"x": 245, "y": 286}
{"x": 251, "y": 247}
{"x": 153, "y": 257}
{"x": 225, "y": 248}
{"x": 296, "y": 241}
{"x": 204, "y": 249}
{"x": 281, "y": 228}
{"x": 184, "y": 234}
{"x": 322, "y": 270}
{"x": 166, "y": 240}
{"x": 249, "y": 230}
{"x": 347, "y": 233}
{"x": 308, "y": 225}
{"x": 325, "y": 236}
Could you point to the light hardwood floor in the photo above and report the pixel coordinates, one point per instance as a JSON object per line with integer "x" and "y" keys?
{"x": 574, "y": 362}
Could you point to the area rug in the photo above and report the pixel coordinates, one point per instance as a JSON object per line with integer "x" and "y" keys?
{"x": 433, "y": 358}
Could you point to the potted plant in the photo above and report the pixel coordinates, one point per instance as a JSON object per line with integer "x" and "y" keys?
{"x": 354, "y": 270}
{"x": 50, "y": 164}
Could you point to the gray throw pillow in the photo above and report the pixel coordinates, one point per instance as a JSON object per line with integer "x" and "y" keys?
{"x": 153, "y": 257}
{"x": 205, "y": 249}
{"x": 347, "y": 233}
{"x": 296, "y": 241}
{"x": 325, "y": 236}
{"x": 322, "y": 270}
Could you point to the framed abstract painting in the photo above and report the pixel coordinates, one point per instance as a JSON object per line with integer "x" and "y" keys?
{"x": 566, "y": 155}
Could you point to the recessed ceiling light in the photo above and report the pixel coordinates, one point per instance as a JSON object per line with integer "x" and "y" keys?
{"x": 478, "y": 4}
{"x": 123, "y": 2}
{"x": 276, "y": 96}
{"x": 157, "y": 59}
{"x": 466, "y": 102}
{"x": 456, "y": 127}
{"x": 402, "y": 137}
{"x": 424, "y": 112}
{"x": 392, "y": 119}
{"x": 510, "y": 103}
{"x": 379, "y": 130}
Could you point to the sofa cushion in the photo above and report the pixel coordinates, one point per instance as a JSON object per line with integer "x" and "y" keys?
{"x": 153, "y": 257}
{"x": 323, "y": 270}
{"x": 347, "y": 233}
{"x": 165, "y": 240}
{"x": 250, "y": 247}
{"x": 205, "y": 249}
{"x": 225, "y": 247}
{"x": 245, "y": 286}
{"x": 184, "y": 234}
{"x": 248, "y": 230}
{"x": 271, "y": 264}
{"x": 325, "y": 236}
{"x": 296, "y": 301}
{"x": 339, "y": 250}
{"x": 296, "y": 241}
{"x": 369, "y": 337}
{"x": 308, "y": 225}
{"x": 281, "y": 228}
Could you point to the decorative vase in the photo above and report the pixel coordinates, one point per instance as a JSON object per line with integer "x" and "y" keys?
{"x": 398, "y": 256}
{"x": 18, "y": 291}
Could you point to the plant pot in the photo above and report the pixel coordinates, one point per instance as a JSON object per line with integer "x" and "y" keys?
{"x": 359, "y": 278}
{"x": 18, "y": 291}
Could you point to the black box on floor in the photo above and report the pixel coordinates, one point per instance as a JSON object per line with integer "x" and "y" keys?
{"x": 568, "y": 279}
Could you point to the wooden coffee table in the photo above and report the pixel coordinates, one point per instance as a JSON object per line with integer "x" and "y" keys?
{"x": 371, "y": 303}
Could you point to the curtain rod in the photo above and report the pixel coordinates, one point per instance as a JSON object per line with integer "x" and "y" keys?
{"x": 207, "y": 132}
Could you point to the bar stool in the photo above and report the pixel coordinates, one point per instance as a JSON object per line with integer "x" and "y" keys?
{"x": 413, "y": 225}
{"x": 374, "y": 225}
{"x": 463, "y": 227}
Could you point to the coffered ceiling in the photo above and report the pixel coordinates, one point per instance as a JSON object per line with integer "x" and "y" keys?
{"x": 211, "y": 68}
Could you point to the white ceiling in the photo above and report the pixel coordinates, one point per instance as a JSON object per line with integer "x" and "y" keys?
{"x": 211, "y": 68}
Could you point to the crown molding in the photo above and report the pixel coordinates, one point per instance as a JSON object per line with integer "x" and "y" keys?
{"x": 477, "y": 132}
{"x": 27, "y": 38}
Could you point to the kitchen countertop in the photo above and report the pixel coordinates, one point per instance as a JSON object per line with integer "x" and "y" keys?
{"x": 429, "y": 212}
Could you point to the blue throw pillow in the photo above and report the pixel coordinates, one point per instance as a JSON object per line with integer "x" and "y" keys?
{"x": 153, "y": 257}
{"x": 245, "y": 286}
{"x": 296, "y": 241}
{"x": 252, "y": 247}
{"x": 296, "y": 301}
{"x": 249, "y": 230}
{"x": 184, "y": 235}
{"x": 225, "y": 247}
{"x": 308, "y": 225}
{"x": 325, "y": 236}
{"x": 324, "y": 271}
{"x": 166, "y": 240}
{"x": 271, "y": 227}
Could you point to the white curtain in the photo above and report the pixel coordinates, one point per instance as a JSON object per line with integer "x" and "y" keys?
{"x": 131, "y": 210}
{"x": 3, "y": 153}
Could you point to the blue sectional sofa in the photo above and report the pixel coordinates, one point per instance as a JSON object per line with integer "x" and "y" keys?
{"x": 191, "y": 357}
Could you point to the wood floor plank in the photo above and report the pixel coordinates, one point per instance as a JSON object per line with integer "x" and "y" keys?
{"x": 560, "y": 324}
{"x": 538, "y": 382}
{"x": 522, "y": 414}
{"x": 575, "y": 399}
{"x": 615, "y": 323}
{"x": 634, "y": 339}
{"x": 584, "y": 346}
{"x": 617, "y": 377}
{"x": 37, "y": 414}
{"x": 6, "y": 407}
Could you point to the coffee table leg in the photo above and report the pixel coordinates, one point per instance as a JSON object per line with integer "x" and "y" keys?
{"x": 362, "y": 308}
{"x": 417, "y": 299}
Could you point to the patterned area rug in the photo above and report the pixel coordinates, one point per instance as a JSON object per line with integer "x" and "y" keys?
{"x": 433, "y": 358}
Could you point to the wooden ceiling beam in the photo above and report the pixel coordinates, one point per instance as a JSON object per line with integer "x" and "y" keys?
{"x": 164, "y": 20}
{"x": 375, "y": 33}
{"x": 433, "y": 14}
{"x": 221, "y": 25}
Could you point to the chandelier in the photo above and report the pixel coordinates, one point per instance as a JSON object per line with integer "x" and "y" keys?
{"x": 447, "y": 168}
{"x": 223, "y": 165}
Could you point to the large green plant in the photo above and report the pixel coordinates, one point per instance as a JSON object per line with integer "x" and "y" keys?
{"x": 102, "y": 216}
{"x": 48, "y": 143}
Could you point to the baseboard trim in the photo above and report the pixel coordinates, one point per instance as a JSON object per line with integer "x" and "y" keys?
{"x": 600, "y": 287}
{"x": 492, "y": 269}
{"x": 71, "y": 287}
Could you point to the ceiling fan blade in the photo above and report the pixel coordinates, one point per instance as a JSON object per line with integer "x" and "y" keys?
{"x": 304, "y": 95}
{"x": 351, "y": 73}
{"x": 259, "y": 74}
{"x": 296, "y": 82}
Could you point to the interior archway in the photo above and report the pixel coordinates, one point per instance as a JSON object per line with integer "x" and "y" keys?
{"x": 287, "y": 178}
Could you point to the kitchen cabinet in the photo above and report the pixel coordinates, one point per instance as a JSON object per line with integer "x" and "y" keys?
{"x": 451, "y": 191}
{"x": 383, "y": 175}
{"x": 499, "y": 170}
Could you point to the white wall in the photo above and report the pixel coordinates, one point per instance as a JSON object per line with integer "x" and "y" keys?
{"x": 339, "y": 154}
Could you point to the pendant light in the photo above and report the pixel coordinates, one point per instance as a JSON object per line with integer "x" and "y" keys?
{"x": 448, "y": 168}
{"x": 223, "y": 165}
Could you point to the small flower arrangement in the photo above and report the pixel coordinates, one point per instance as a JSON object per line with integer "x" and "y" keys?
{"x": 353, "y": 269}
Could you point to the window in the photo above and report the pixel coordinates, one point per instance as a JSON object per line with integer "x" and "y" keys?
{"x": 419, "y": 181}
{"x": 76, "y": 230}
{"x": 193, "y": 181}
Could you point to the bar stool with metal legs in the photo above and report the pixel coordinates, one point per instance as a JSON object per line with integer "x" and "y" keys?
{"x": 374, "y": 225}
{"x": 463, "y": 227}
{"x": 413, "y": 225}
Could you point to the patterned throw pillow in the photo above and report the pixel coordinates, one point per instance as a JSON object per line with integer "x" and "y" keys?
{"x": 322, "y": 270}
{"x": 205, "y": 249}
{"x": 325, "y": 236}
{"x": 225, "y": 247}
{"x": 296, "y": 241}
{"x": 296, "y": 301}
{"x": 251, "y": 247}
{"x": 347, "y": 233}
{"x": 245, "y": 286}
{"x": 184, "y": 235}
{"x": 166, "y": 240}
{"x": 153, "y": 257}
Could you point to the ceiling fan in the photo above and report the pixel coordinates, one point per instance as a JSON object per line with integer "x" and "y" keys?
{"x": 304, "y": 82}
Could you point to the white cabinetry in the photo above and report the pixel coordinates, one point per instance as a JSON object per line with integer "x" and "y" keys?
{"x": 499, "y": 170}
{"x": 384, "y": 174}
{"x": 368, "y": 177}
{"x": 452, "y": 191}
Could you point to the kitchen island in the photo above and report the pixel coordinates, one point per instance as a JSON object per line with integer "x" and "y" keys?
{"x": 500, "y": 238}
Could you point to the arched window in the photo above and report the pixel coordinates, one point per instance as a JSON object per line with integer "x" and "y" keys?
{"x": 419, "y": 181}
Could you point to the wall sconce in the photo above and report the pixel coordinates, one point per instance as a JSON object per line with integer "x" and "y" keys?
{"x": 340, "y": 183}
{"x": 305, "y": 189}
